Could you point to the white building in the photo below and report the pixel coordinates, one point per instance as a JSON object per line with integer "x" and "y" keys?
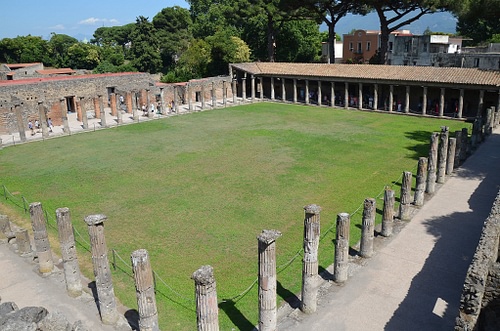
{"x": 424, "y": 50}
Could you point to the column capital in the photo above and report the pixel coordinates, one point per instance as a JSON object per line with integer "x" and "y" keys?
{"x": 95, "y": 219}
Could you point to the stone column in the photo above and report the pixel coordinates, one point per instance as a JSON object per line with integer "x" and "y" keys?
{"x": 145, "y": 291}
{"x": 295, "y": 90}
{"x": 458, "y": 147}
{"x": 244, "y": 87}
{"x": 360, "y": 95}
{"x": 190, "y": 96}
{"x": 283, "y": 90}
{"x": 20, "y": 122}
{"x": 175, "y": 106}
{"x": 85, "y": 120}
{"x": 119, "y": 116}
{"x": 42, "y": 244}
{"x": 43, "y": 120}
{"x": 442, "y": 154}
{"x": 207, "y": 311}
{"x": 421, "y": 181}
{"x": 97, "y": 108}
{"x": 319, "y": 93}
{"x": 64, "y": 114}
{"x": 272, "y": 89}
{"x": 407, "y": 99}
{"x": 367, "y": 228}
{"x": 79, "y": 110}
{"x": 162, "y": 100}
{"x": 68, "y": 252}
{"x": 424, "y": 101}
{"x": 310, "y": 263}
{"x": 234, "y": 90}
{"x": 480, "y": 103}
{"x": 332, "y": 94}
{"x": 307, "y": 91}
{"x": 461, "y": 103}
{"x": 267, "y": 280}
{"x": 112, "y": 104}
{"x": 202, "y": 95}
{"x": 104, "y": 285}
{"x": 464, "y": 151}
{"x": 405, "y": 198}
{"x": 104, "y": 123}
{"x": 252, "y": 82}
{"x": 388, "y": 212}
{"x": 341, "y": 265}
{"x": 128, "y": 101}
{"x": 224, "y": 93}
{"x": 23, "y": 242}
{"x": 214, "y": 96}
{"x": 432, "y": 165}
{"x": 261, "y": 88}
{"x": 441, "y": 103}
{"x": 375, "y": 96}
{"x": 451, "y": 155}
{"x": 391, "y": 97}
{"x": 346, "y": 95}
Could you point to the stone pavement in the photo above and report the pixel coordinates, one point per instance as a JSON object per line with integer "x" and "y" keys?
{"x": 21, "y": 283}
{"x": 414, "y": 281}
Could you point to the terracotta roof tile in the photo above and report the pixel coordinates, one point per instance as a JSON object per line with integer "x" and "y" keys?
{"x": 56, "y": 71}
{"x": 61, "y": 78}
{"x": 416, "y": 74}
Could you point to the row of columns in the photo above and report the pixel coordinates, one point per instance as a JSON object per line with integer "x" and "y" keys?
{"x": 205, "y": 287}
{"x": 331, "y": 101}
{"x": 444, "y": 154}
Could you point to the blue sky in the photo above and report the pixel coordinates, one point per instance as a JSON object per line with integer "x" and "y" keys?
{"x": 80, "y": 19}
{"x": 76, "y": 18}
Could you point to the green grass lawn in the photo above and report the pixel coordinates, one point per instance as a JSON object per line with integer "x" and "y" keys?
{"x": 198, "y": 189}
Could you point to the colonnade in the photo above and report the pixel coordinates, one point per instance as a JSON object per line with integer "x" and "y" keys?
{"x": 424, "y": 98}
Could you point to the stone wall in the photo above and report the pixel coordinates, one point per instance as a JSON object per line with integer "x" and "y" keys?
{"x": 29, "y": 93}
{"x": 480, "y": 301}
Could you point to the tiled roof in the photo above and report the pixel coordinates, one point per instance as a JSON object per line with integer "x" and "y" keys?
{"x": 13, "y": 66}
{"x": 56, "y": 71}
{"x": 375, "y": 73}
{"x": 61, "y": 78}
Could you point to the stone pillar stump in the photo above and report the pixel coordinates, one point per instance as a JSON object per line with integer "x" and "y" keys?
{"x": 207, "y": 310}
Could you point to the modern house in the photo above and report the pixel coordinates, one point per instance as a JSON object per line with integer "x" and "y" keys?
{"x": 421, "y": 50}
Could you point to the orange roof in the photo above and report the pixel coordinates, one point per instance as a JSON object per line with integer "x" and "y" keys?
{"x": 56, "y": 71}
{"x": 14, "y": 66}
{"x": 370, "y": 72}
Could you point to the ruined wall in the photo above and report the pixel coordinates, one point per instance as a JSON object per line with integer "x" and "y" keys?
{"x": 28, "y": 93}
{"x": 481, "y": 293}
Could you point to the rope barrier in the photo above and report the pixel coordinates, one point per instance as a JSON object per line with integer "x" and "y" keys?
{"x": 237, "y": 297}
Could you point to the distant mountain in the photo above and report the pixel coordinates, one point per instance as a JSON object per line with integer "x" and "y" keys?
{"x": 438, "y": 22}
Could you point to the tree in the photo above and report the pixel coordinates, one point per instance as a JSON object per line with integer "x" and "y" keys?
{"x": 24, "y": 49}
{"x": 300, "y": 41}
{"x": 330, "y": 12}
{"x": 396, "y": 14}
{"x": 83, "y": 56}
{"x": 173, "y": 30}
{"x": 58, "y": 48}
{"x": 145, "y": 49}
{"x": 479, "y": 21}
{"x": 225, "y": 49}
{"x": 193, "y": 63}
